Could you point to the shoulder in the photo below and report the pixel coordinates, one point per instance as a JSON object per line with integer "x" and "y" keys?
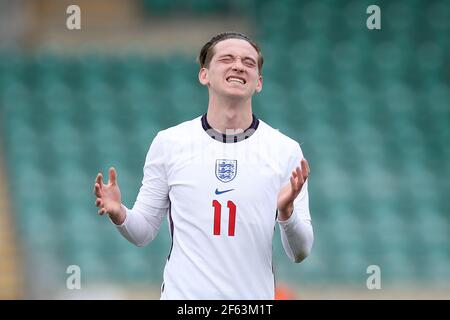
{"x": 180, "y": 131}
{"x": 278, "y": 139}
{"x": 171, "y": 138}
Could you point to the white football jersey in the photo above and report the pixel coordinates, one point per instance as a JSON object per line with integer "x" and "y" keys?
{"x": 221, "y": 201}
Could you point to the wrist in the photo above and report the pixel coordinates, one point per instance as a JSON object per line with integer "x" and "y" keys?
{"x": 285, "y": 214}
{"x": 119, "y": 218}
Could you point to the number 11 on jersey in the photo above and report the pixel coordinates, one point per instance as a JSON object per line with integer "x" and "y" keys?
{"x": 217, "y": 216}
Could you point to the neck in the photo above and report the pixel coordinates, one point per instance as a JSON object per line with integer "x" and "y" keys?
{"x": 230, "y": 115}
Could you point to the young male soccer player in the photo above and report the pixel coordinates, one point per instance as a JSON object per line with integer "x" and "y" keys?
{"x": 223, "y": 188}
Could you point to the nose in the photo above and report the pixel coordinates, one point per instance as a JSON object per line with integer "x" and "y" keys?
{"x": 238, "y": 68}
{"x": 237, "y": 65}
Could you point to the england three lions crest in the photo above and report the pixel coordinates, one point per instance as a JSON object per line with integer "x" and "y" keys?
{"x": 226, "y": 169}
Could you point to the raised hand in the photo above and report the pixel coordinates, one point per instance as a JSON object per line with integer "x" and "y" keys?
{"x": 289, "y": 192}
{"x": 108, "y": 197}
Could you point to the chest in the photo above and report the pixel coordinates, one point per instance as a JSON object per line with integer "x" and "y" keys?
{"x": 238, "y": 186}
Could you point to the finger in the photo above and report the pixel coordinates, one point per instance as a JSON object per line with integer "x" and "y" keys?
{"x": 97, "y": 190}
{"x": 300, "y": 175}
{"x": 112, "y": 176}
{"x": 99, "y": 203}
{"x": 102, "y": 211}
{"x": 99, "y": 179}
{"x": 293, "y": 186}
{"x": 294, "y": 178}
{"x": 305, "y": 170}
{"x": 294, "y": 173}
{"x": 307, "y": 166}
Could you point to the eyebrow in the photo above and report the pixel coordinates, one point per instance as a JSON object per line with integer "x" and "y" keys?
{"x": 232, "y": 56}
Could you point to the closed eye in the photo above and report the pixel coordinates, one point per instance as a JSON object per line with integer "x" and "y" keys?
{"x": 249, "y": 62}
{"x": 226, "y": 59}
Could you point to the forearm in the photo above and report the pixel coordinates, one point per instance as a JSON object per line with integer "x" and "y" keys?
{"x": 297, "y": 237}
{"x": 141, "y": 224}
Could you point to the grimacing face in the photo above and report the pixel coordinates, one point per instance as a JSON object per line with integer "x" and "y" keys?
{"x": 233, "y": 70}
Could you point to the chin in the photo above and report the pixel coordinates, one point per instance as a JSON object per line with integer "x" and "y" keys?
{"x": 237, "y": 94}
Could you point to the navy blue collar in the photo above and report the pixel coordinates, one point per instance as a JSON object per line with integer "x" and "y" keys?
{"x": 230, "y": 138}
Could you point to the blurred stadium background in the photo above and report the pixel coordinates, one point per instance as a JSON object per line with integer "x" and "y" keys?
{"x": 371, "y": 109}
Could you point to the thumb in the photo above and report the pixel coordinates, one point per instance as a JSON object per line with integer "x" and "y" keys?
{"x": 112, "y": 176}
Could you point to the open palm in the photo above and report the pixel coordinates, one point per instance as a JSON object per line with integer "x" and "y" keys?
{"x": 289, "y": 192}
{"x": 108, "y": 195}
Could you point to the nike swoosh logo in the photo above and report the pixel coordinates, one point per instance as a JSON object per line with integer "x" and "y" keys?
{"x": 220, "y": 192}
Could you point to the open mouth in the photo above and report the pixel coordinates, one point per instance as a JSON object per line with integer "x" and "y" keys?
{"x": 236, "y": 79}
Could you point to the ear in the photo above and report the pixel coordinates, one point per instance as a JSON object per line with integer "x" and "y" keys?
{"x": 203, "y": 76}
{"x": 259, "y": 85}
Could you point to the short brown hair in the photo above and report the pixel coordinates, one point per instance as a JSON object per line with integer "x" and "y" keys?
{"x": 207, "y": 51}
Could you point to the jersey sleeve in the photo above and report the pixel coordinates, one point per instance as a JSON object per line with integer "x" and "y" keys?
{"x": 296, "y": 232}
{"x": 142, "y": 222}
